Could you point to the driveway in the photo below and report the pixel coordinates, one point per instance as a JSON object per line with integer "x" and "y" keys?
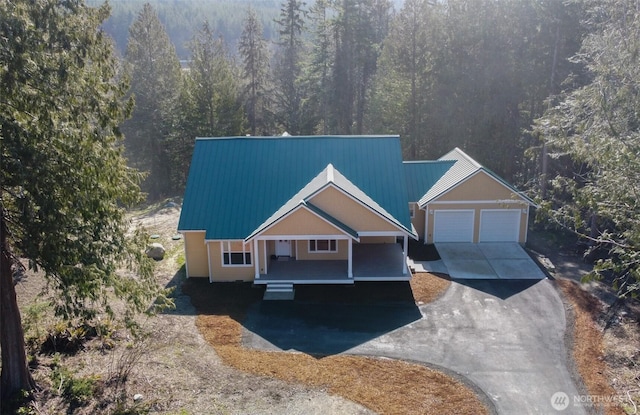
{"x": 488, "y": 260}
{"x": 505, "y": 336}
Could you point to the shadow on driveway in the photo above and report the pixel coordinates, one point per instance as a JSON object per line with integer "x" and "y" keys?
{"x": 325, "y": 320}
{"x": 502, "y": 289}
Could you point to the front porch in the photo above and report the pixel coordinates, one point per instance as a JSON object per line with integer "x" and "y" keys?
{"x": 371, "y": 262}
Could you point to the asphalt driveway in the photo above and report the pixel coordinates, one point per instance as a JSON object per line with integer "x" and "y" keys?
{"x": 488, "y": 260}
{"x": 506, "y": 337}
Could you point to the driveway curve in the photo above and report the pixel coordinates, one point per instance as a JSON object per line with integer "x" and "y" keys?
{"x": 506, "y": 337}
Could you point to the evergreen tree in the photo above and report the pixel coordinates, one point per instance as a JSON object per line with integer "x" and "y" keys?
{"x": 598, "y": 127}
{"x": 155, "y": 83}
{"x": 255, "y": 56}
{"x": 288, "y": 96}
{"x": 64, "y": 182}
{"x": 215, "y": 87}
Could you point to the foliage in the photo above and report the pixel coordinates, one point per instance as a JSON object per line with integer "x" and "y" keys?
{"x": 597, "y": 127}
{"x": 155, "y": 72}
{"x": 64, "y": 184}
{"x": 76, "y": 390}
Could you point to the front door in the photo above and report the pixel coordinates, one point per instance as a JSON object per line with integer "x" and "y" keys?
{"x": 283, "y": 247}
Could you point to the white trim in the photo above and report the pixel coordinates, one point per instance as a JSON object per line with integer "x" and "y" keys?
{"x": 405, "y": 250}
{"x": 383, "y": 233}
{"x": 526, "y": 226}
{"x": 300, "y": 206}
{"x": 206, "y": 244}
{"x": 350, "y": 259}
{"x": 473, "y": 225}
{"x": 186, "y": 256}
{"x": 302, "y": 237}
{"x": 264, "y": 256}
{"x": 329, "y": 251}
{"x": 256, "y": 262}
{"x": 244, "y": 252}
{"x": 426, "y": 224}
{"x": 478, "y": 202}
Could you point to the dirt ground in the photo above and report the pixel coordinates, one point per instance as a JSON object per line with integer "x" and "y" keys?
{"x": 175, "y": 370}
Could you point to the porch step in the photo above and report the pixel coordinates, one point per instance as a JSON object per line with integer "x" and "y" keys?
{"x": 279, "y": 291}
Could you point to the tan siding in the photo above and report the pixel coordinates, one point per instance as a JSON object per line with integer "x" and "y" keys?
{"x": 234, "y": 273}
{"x": 350, "y": 212}
{"x": 302, "y": 248}
{"x": 378, "y": 240}
{"x": 418, "y": 221}
{"x": 479, "y": 187}
{"x": 302, "y": 222}
{"x": 477, "y": 207}
{"x": 196, "y": 254}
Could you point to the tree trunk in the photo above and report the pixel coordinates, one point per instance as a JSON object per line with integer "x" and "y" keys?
{"x": 15, "y": 372}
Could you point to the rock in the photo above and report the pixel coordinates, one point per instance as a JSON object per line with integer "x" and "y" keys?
{"x": 137, "y": 397}
{"x": 155, "y": 251}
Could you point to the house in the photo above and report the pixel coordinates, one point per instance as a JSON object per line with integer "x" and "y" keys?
{"x": 455, "y": 199}
{"x": 332, "y": 209}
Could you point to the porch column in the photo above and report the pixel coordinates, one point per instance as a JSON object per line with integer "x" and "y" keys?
{"x": 256, "y": 258}
{"x": 404, "y": 255}
{"x": 350, "y": 259}
{"x": 426, "y": 224}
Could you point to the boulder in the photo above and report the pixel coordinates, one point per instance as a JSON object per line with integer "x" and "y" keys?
{"x": 155, "y": 251}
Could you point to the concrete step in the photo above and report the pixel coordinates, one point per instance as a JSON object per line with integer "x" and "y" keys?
{"x": 279, "y": 291}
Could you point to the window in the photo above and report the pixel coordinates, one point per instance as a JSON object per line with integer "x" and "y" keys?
{"x": 323, "y": 245}
{"x": 235, "y": 253}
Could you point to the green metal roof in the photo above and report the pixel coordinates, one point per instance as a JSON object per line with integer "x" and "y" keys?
{"x": 236, "y": 183}
{"x": 422, "y": 175}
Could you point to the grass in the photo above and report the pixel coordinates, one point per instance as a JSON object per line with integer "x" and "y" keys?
{"x": 383, "y": 385}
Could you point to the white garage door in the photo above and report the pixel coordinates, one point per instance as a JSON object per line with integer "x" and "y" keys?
{"x": 453, "y": 225}
{"x": 500, "y": 225}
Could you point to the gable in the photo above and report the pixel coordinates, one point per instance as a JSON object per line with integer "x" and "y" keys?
{"x": 479, "y": 186}
{"x": 349, "y": 211}
{"x": 302, "y": 222}
{"x": 235, "y": 184}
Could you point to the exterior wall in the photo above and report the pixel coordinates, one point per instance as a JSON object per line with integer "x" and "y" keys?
{"x": 302, "y": 222}
{"x": 230, "y": 273}
{"x": 418, "y": 221}
{"x": 477, "y": 207}
{"x": 350, "y": 212}
{"x": 479, "y": 187}
{"x": 302, "y": 249}
{"x": 196, "y": 254}
{"x": 378, "y": 240}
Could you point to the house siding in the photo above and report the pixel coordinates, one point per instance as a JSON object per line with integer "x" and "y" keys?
{"x": 350, "y": 212}
{"x": 195, "y": 254}
{"x": 221, "y": 273}
{"x": 302, "y": 222}
{"x": 302, "y": 248}
{"x": 481, "y": 186}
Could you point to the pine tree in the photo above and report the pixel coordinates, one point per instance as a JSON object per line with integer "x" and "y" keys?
{"x": 255, "y": 58}
{"x": 155, "y": 83}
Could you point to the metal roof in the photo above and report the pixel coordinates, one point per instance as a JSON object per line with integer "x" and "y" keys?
{"x": 464, "y": 167}
{"x": 235, "y": 184}
{"x": 422, "y": 175}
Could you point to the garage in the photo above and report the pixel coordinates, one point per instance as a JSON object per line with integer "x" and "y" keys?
{"x": 500, "y": 225}
{"x": 453, "y": 225}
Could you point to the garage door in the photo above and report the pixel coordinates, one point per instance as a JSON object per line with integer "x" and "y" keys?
{"x": 500, "y": 225}
{"x": 453, "y": 225}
